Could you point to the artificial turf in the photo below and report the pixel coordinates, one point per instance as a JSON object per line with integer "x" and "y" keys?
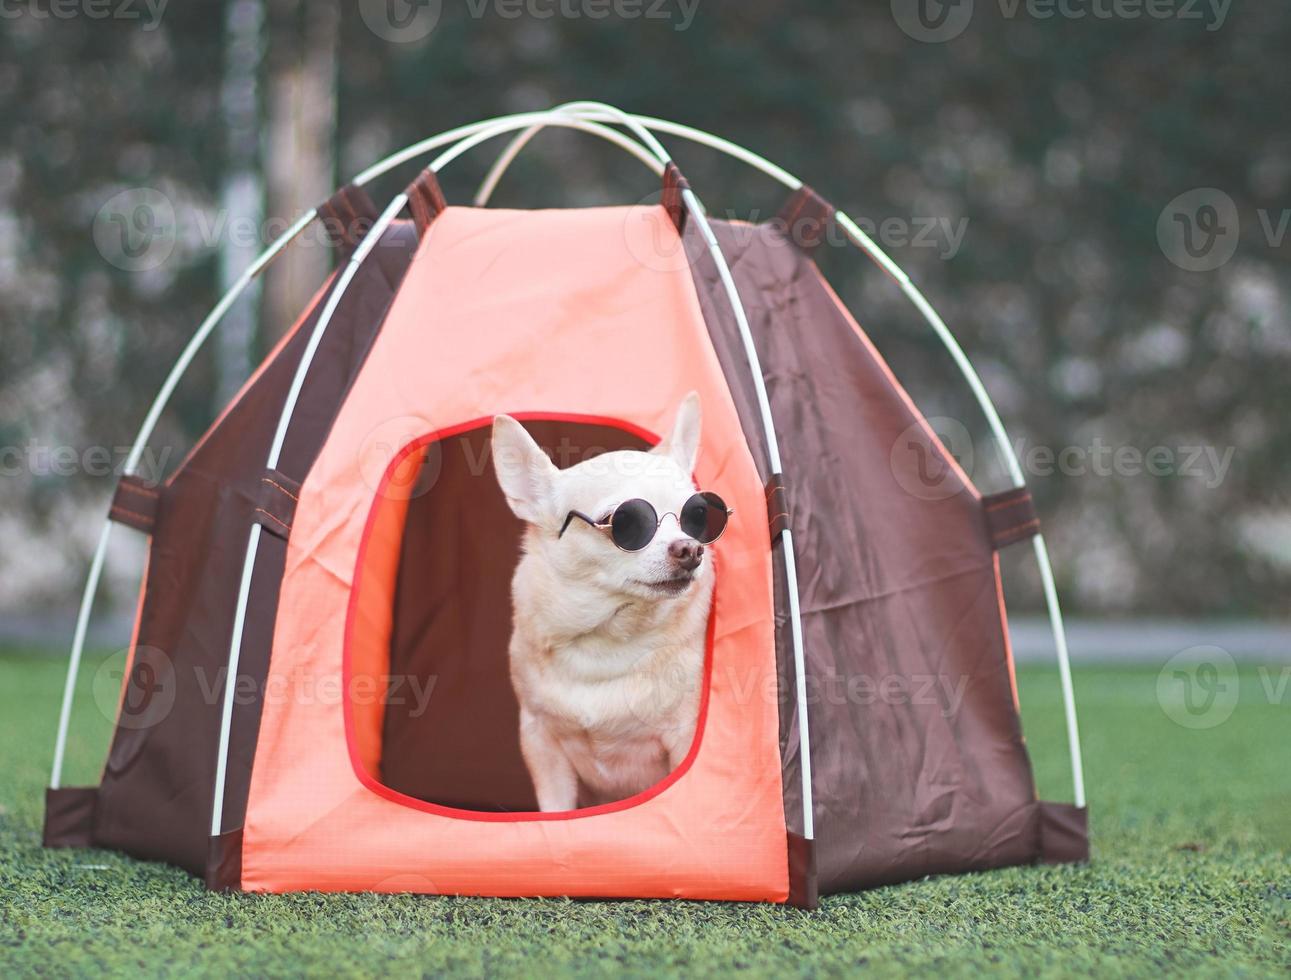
{"x": 1191, "y": 872}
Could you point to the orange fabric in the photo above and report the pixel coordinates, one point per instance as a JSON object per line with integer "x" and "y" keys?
{"x": 588, "y": 311}
{"x": 133, "y": 648}
{"x": 1004, "y": 630}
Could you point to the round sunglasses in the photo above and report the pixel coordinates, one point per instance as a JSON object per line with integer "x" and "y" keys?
{"x": 633, "y": 524}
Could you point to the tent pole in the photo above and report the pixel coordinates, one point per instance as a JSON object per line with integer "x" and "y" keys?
{"x": 696, "y": 212}
{"x": 253, "y": 541}
{"x": 987, "y": 406}
{"x": 870, "y": 248}
{"x": 131, "y": 466}
{"x": 1064, "y": 669}
{"x": 177, "y": 371}
{"x": 78, "y": 646}
{"x": 365, "y": 247}
{"x": 773, "y": 459}
{"x": 641, "y": 125}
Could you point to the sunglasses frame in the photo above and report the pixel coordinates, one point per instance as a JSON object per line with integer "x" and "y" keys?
{"x": 607, "y": 528}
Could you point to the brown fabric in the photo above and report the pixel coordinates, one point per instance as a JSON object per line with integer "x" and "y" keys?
{"x": 69, "y": 816}
{"x": 425, "y": 200}
{"x": 673, "y": 184}
{"x": 1010, "y": 517}
{"x": 156, "y": 796}
{"x": 135, "y": 504}
{"x": 919, "y": 764}
{"x": 275, "y": 503}
{"x": 451, "y": 729}
{"x": 802, "y": 873}
{"x": 224, "y": 862}
{"x": 735, "y": 366}
{"x": 777, "y": 505}
{"x": 1064, "y": 833}
{"x": 805, "y": 219}
{"x": 347, "y": 216}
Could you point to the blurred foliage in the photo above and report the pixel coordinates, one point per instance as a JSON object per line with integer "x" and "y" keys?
{"x": 1059, "y": 141}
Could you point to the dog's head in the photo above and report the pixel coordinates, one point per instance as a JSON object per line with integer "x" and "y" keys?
{"x": 543, "y": 496}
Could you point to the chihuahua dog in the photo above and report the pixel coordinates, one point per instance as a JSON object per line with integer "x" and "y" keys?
{"x": 610, "y": 600}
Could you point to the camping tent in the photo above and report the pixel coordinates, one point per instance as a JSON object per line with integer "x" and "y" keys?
{"x": 316, "y": 694}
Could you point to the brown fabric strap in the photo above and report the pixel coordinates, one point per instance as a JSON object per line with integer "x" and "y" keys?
{"x": 1064, "y": 833}
{"x": 673, "y": 184}
{"x": 425, "y": 200}
{"x": 805, "y": 219}
{"x": 1010, "y": 517}
{"x": 275, "y": 503}
{"x": 777, "y": 504}
{"x": 135, "y": 504}
{"x": 69, "y": 816}
{"x": 224, "y": 862}
{"x": 347, "y": 216}
{"x": 803, "y": 891}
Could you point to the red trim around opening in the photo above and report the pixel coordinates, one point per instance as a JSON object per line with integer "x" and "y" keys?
{"x": 379, "y": 788}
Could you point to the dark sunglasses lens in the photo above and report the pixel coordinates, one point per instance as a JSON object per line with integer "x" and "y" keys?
{"x": 633, "y": 525}
{"x": 704, "y": 517}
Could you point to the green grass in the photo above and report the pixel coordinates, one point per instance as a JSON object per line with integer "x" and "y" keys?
{"x": 1191, "y": 831}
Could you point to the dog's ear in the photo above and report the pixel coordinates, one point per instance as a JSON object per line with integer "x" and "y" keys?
{"x": 682, "y": 443}
{"x": 526, "y": 475}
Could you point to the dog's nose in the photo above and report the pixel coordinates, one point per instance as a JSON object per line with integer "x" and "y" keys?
{"x": 686, "y": 553}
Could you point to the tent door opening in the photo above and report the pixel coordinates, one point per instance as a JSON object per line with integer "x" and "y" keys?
{"x": 445, "y": 729}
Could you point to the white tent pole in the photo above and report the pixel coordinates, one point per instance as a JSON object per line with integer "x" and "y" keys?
{"x": 423, "y": 147}
{"x": 508, "y": 156}
{"x": 280, "y": 434}
{"x": 587, "y": 112}
{"x": 569, "y": 110}
{"x": 867, "y": 245}
{"x": 284, "y": 421}
{"x": 159, "y": 403}
{"x": 773, "y": 458}
{"x": 199, "y": 338}
{"x": 194, "y": 346}
{"x": 987, "y": 406}
{"x": 78, "y": 645}
{"x": 697, "y": 215}
{"x": 1064, "y": 669}
{"x": 518, "y": 143}
{"x": 253, "y": 539}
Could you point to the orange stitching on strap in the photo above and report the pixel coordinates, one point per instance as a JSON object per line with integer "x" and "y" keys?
{"x": 1011, "y": 502}
{"x": 1035, "y": 521}
{"x": 284, "y": 526}
{"x": 149, "y": 520}
{"x": 136, "y": 488}
{"x": 265, "y": 479}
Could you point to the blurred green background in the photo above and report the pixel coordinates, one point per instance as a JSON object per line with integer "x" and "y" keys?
{"x": 1036, "y": 171}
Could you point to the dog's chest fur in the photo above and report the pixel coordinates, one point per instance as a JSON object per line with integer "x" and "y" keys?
{"x": 616, "y": 682}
